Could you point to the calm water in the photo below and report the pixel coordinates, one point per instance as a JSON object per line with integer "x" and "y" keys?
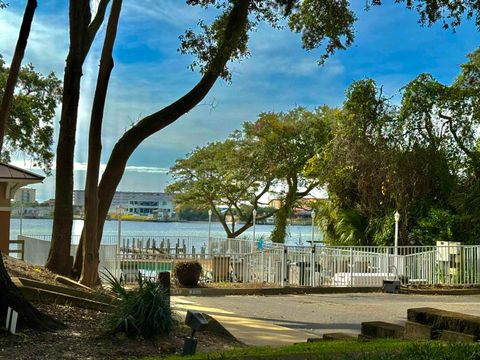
{"x": 297, "y": 234}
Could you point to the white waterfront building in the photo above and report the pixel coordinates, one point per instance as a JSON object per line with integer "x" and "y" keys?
{"x": 156, "y": 204}
{"x": 25, "y": 195}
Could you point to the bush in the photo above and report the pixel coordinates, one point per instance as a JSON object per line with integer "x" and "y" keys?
{"x": 437, "y": 225}
{"x": 188, "y": 273}
{"x": 144, "y": 311}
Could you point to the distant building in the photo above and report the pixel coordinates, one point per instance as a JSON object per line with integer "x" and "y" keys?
{"x": 25, "y": 195}
{"x": 303, "y": 208}
{"x": 275, "y": 203}
{"x": 155, "y": 204}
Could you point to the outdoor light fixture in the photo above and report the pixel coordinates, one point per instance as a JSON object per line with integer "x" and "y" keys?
{"x": 397, "y": 219}
{"x": 313, "y": 227}
{"x": 197, "y": 322}
{"x": 209, "y": 224}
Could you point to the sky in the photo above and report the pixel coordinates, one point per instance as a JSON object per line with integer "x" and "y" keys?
{"x": 149, "y": 73}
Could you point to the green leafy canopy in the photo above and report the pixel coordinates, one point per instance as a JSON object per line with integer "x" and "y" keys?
{"x": 31, "y": 123}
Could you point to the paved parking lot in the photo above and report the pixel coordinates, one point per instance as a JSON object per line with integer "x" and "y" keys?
{"x": 318, "y": 314}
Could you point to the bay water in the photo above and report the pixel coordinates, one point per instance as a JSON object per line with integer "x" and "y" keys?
{"x": 296, "y": 234}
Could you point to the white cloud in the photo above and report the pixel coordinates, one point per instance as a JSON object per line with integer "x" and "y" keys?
{"x": 171, "y": 12}
{"x": 47, "y": 44}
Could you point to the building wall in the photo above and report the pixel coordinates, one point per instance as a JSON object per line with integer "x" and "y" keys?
{"x": 135, "y": 203}
{"x": 4, "y": 220}
{"x": 25, "y": 195}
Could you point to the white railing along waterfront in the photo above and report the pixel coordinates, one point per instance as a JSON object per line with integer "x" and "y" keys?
{"x": 36, "y": 252}
{"x": 234, "y": 260}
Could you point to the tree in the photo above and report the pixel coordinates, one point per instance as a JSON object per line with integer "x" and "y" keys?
{"x": 7, "y": 97}
{"x": 226, "y": 40}
{"x": 286, "y": 142}
{"x": 374, "y": 166}
{"x": 82, "y": 33}
{"x": 187, "y": 213}
{"x": 446, "y": 117}
{"x": 30, "y": 123}
{"x": 225, "y": 177}
{"x": 90, "y": 242}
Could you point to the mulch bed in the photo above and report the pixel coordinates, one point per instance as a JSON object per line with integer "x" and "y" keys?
{"x": 86, "y": 338}
{"x": 19, "y": 268}
{"x": 86, "y": 335}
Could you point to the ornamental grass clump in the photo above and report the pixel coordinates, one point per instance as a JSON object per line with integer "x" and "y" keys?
{"x": 142, "y": 312}
{"x": 188, "y": 273}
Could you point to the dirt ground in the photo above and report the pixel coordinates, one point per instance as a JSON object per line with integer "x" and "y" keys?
{"x": 86, "y": 338}
{"x": 18, "y": 268}
{"x": 86, "y": 335}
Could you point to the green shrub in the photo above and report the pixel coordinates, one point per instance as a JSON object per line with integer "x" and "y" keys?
{"x": 188, "y": 273}
{"x": 144, "y": 311}
{"x": 437, "y": 225}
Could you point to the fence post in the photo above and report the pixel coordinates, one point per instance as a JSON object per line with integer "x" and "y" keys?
{"x": 351, "y": 267}
{"x": 312, "y": 267}
{"x": 262, "y": 267}
{"x": 164, "y": 280}
{"x": 284, "y": 266}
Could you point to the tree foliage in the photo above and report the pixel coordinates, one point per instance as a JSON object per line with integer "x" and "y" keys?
{"x": 421, "y": 159}
{"x": 324, "y": 24}
{"x": 268, "y": 156}
{"x": 285, "y": 142}
{"x": 31, "y": 122}
{"x": 224, "y": 177}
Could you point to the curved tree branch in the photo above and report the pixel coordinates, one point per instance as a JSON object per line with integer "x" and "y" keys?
{"x": 236, "y": 27}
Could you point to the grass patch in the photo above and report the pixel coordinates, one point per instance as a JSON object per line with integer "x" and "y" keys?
{"x": 351, "y": 349}
{"x": 334, "y": 348}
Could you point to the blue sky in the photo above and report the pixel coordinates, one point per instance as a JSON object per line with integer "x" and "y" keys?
{"x": 149, "y": 73}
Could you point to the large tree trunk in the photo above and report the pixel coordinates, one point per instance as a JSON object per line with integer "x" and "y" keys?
{"x": 28, "y": 316}
{"x": 281, "y": 221}
{"x": 90, "y": 246}
{"x": 82, "y": 33}
{"x": 7, "y": 98}
{"x": 281, "y": 218}
{"x": 126, "y": 145}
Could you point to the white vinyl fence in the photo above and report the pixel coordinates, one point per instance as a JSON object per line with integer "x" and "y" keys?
{"x": 36, "y": 252}
{"x": 232, "y": 260}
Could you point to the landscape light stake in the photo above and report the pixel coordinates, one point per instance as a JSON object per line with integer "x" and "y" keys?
{"x": 197, "y": 322}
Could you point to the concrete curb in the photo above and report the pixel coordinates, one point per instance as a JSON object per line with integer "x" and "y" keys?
{"x": 271, "y": 291}
{"x": 469, "y": 291}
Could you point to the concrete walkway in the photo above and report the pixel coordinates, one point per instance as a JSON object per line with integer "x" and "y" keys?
{"x": 285, "y": 319}
{"x": 250, "y": 331}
